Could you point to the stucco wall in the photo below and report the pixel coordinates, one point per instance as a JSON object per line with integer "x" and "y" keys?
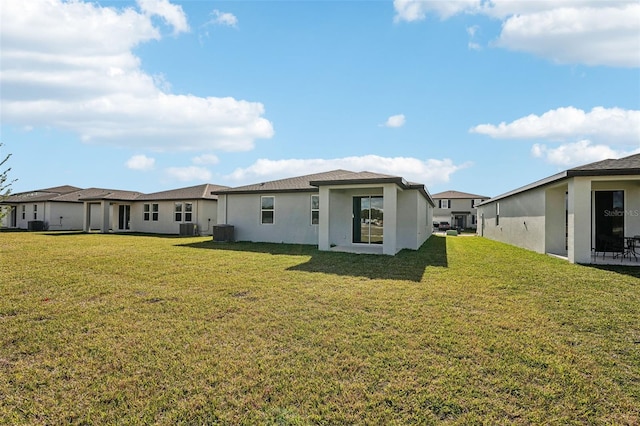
{"x": 414, "y": 220}
{"x": 204, "y": 215}
{"x": 64, "y": 216}
{"x": 556, "y": 220}
{"x": 341, "y": 207}
{"x": 29, "y": 209}
{"x": 522, "y": 221}
{"x": 292, "y": 218}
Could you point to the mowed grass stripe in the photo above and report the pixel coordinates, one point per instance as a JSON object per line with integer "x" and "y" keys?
{"x": 137, "y": 329}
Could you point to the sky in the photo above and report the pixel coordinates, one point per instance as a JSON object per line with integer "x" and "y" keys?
{"x": 479, "y": 96}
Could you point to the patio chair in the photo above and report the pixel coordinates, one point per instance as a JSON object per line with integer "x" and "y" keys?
{"x": 611, "y": 244}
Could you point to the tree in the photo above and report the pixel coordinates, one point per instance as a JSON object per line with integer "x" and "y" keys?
{"x": 5, "y": 183}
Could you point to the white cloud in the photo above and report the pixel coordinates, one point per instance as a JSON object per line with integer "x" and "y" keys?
{"x": 429, "y": 171}
{"x": 223, "y": 18}
{"x": 589, "y": 35}
{"x": 612, "y": 125}
{"x": 78, "y": 73}
{"x": 171, "y": 13}
{"x": 205, "y": 159}
{"x": 417, "y": 10}
{"x": 395, "y": 121}
{"x": 573, "y": 154}
{"x": 141, "y": 162}
{"x": 191, "y": 173}
{"x": 473, "y": 44}
{"x": 567, "y": 31}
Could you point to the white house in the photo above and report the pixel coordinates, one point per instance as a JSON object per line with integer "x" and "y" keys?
{"x": 457, "y": 208}
{"x": 576, "y": 213}
{"x": 190, "y": 210}
{"x": 47, "y": 208}
{"x": 337, "y": 210}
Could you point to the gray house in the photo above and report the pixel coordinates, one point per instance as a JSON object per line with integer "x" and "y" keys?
{"x": 337, "y": 210}
{"x": 457, "y": 208}
{"x": 580, "y": 213}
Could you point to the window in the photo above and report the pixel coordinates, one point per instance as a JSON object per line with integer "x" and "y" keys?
{"x": 24, "y": 212}
{"x": 177, "y": 215}
{"x": 267, "y": 210}
{"x": 188, "y": 212}
{"x": 445, "y": 204}
{"x": 497, "y": 214}
{"x": 473, "y": 204}
{"x": 35, "y": 212}
{"x": 150, "y": 211}
{"x": 315, "y": 209}
{"x": 473, "y": 219}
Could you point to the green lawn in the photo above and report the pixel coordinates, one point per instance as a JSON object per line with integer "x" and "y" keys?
{"x": 114, "y": 329}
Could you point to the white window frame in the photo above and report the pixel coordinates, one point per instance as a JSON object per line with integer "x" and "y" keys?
{"x": 155, "y": 212}
{"x": 188, "y": 212}
{"x": 315, "y": 209}
{"x": 497, "y": 213}
{"x": 35, "y": 212}
{"x": 445, "y": 204}
{"x": 263, "y": 210}
{"x": 146, "y": 212}
{"x": 24, "y": 212}
{"x": 177, "y": 212}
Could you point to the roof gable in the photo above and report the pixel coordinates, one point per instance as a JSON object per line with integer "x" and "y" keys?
{"x": 204, "y": 191}
{"x": 458, "y": 195}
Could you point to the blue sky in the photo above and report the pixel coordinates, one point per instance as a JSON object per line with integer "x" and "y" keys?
{"x": 474, "y": 95}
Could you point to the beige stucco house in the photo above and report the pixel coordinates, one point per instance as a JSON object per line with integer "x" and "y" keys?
{"x": 576, "y": 214}
{"x": 192, "y": 210}
{"x": 337, "y": 210}
{"x": 49, "y": 208}
{"x": 457, "y": 208}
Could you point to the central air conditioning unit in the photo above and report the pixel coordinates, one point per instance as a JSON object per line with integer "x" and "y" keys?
{"x": 188, "y": 229}
{"x": 223, "y": 233}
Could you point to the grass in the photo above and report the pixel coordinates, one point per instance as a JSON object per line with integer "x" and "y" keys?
{"x": 117, "y": 329}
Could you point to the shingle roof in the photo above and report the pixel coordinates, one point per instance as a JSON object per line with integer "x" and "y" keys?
{"x": 40, "y": 195}
{"x": 351, "y": 178}
{"x": 298, "y": 183}
{"x": 457, "y": 195}
{"x": 94, "y": 194}
{"x": 626, "y": 165}
{"x": 310, "y": 183}
{"x": 205, "y": 191}
{"x": 612, "y": 167}
{"x": 63, "y": 189}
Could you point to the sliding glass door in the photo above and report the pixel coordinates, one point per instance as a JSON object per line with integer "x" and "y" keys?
{"x": 124, "y": 217}
{"x": 368, "y": 219}
{"x": 609, "y": 219}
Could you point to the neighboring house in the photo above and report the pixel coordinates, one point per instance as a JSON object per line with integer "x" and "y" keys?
{"x": 171, "y": 212}
{"x": 46, "y": 208}
{"x": 457, "y": 208}
{"x": 575, "y": 213}
{"x": 189, "y": 210}
{"x": 339, "y": 210}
